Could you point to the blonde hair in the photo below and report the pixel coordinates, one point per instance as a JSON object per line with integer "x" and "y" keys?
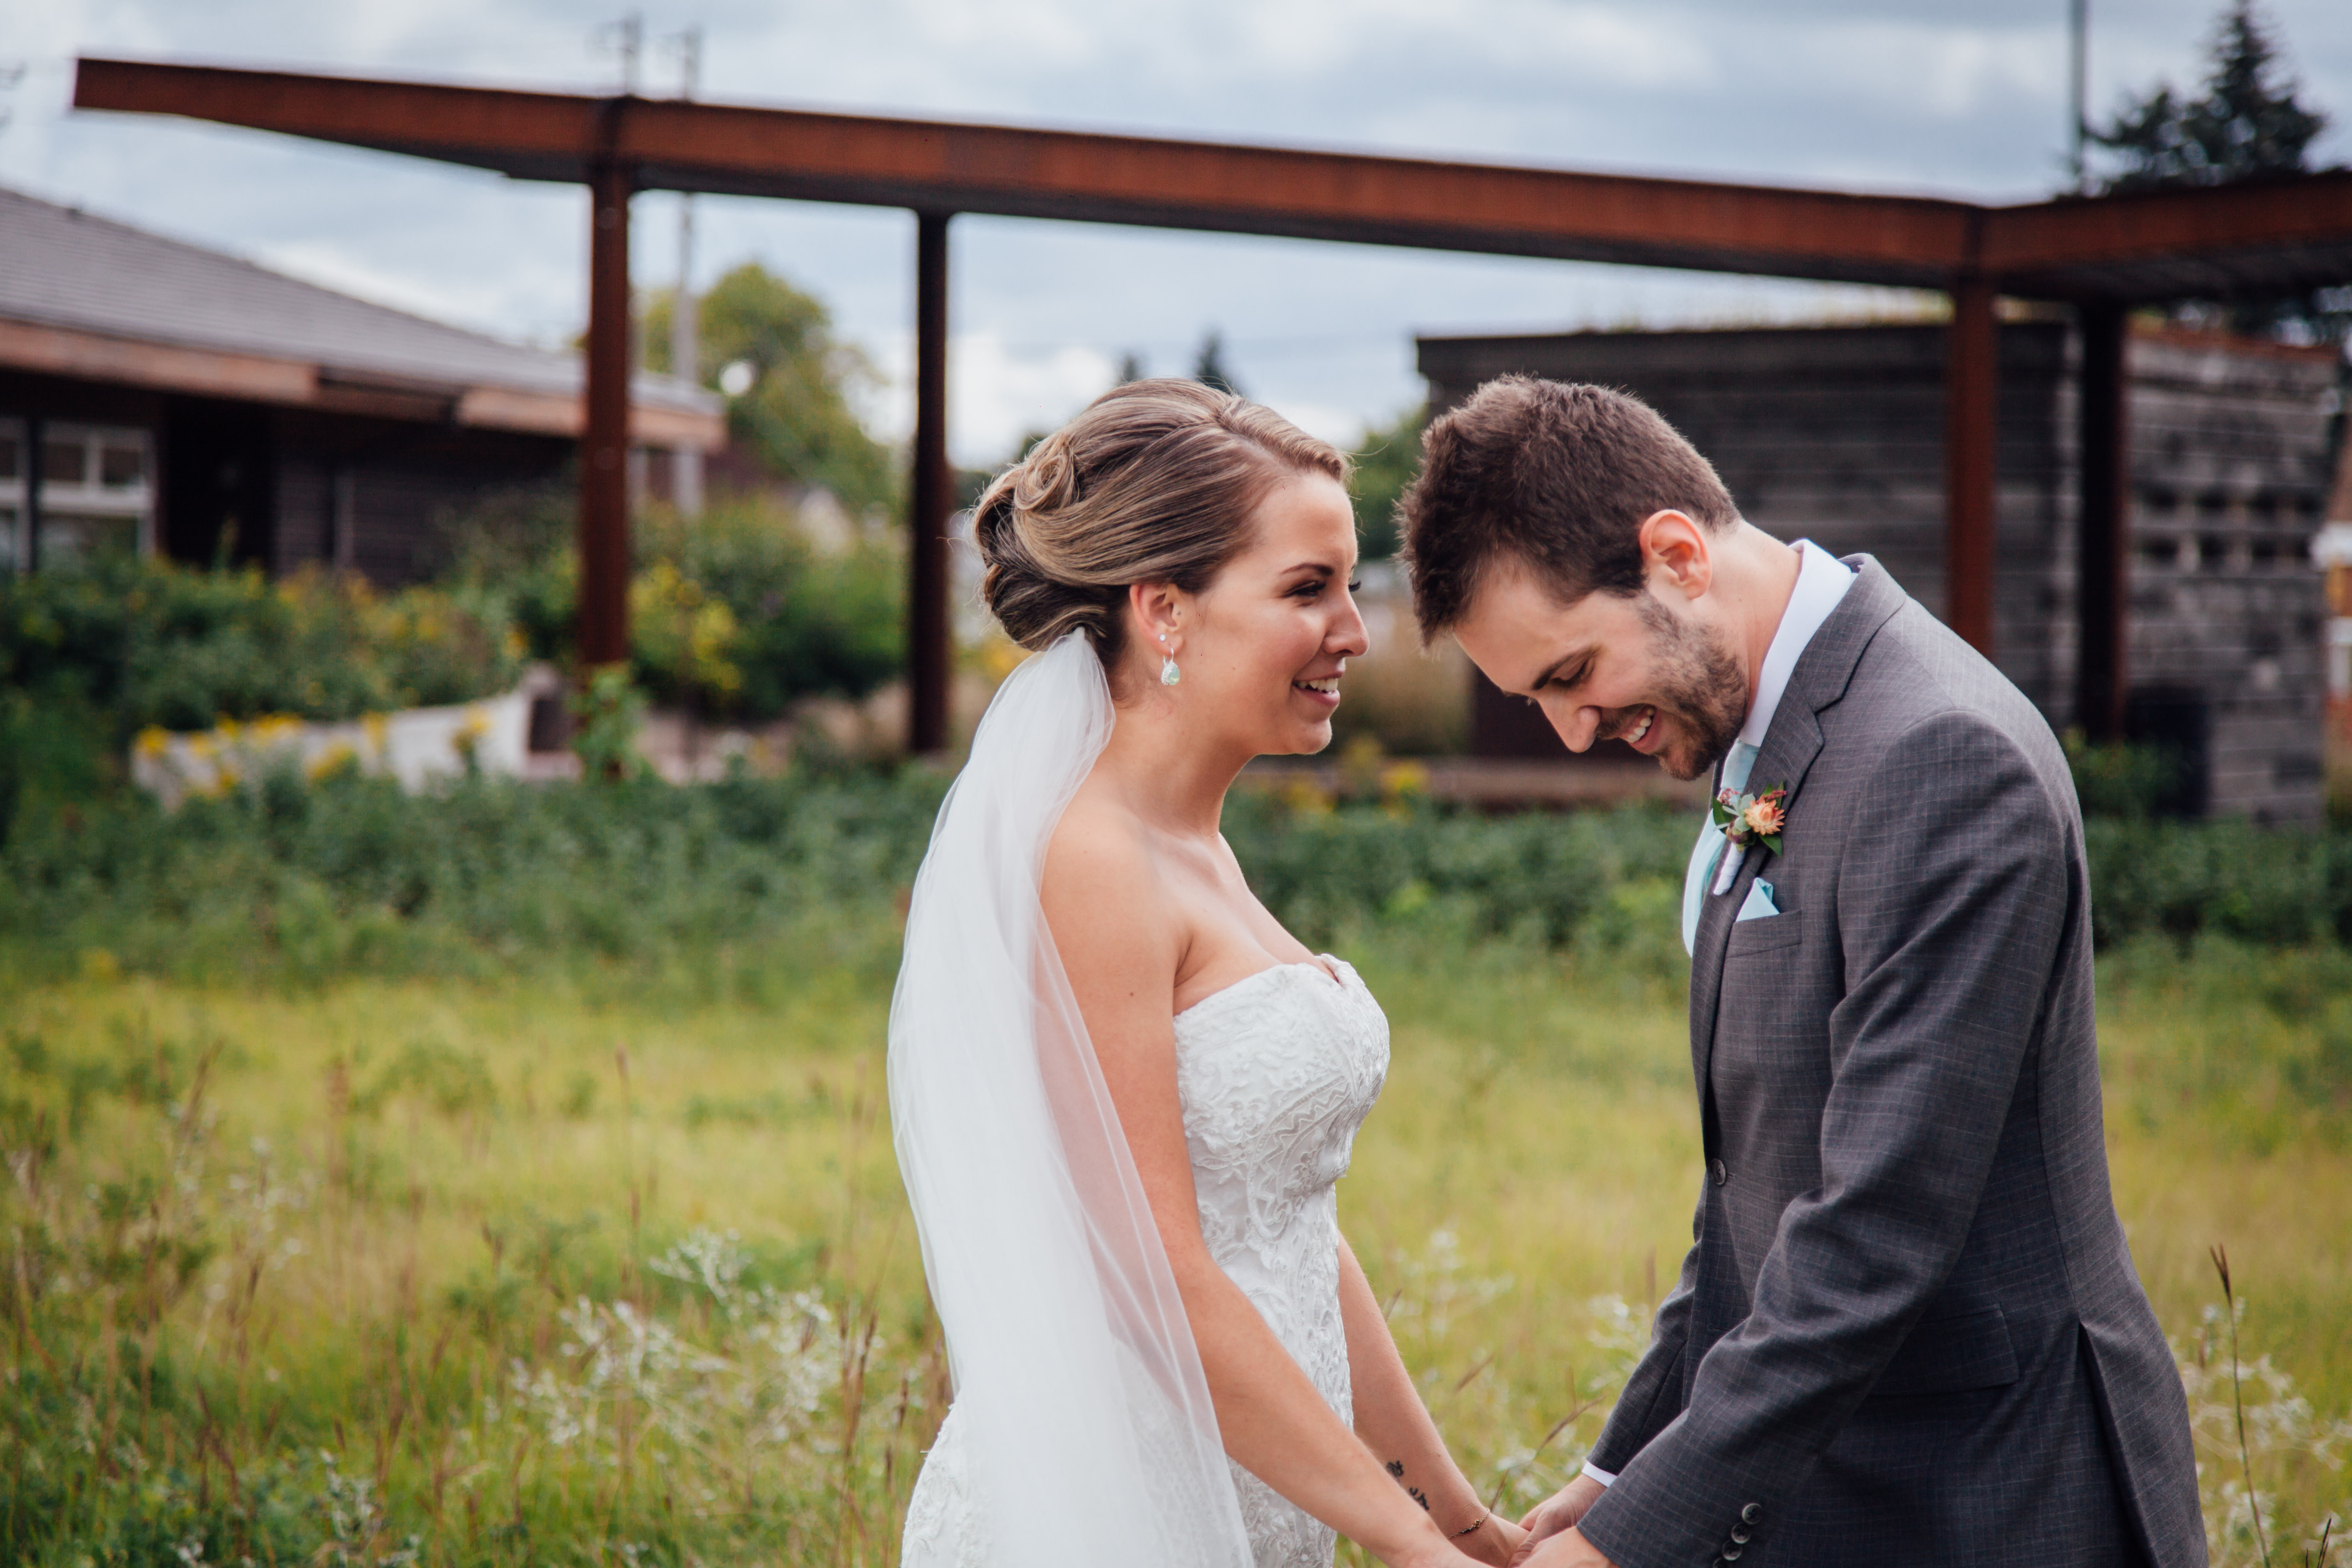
{"x": 1153, "y": 482}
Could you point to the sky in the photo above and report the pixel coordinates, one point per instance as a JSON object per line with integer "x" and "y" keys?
{"x": 1967, "y": 100}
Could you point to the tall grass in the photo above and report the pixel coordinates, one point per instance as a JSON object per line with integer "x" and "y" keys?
{"x": 502, "y": 1176}
{"x": 528, "y": 1271}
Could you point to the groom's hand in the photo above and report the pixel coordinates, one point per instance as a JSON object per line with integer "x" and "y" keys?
{"x": 1568, "y": 1549}
{"x": 1556, "y": 1515}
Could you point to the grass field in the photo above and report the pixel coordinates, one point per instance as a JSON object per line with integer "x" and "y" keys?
{"x": 400, "y": 1272}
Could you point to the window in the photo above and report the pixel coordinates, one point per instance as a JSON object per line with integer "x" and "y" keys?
{"x": 97, "y": 492}
{"x": 12, "y": 493}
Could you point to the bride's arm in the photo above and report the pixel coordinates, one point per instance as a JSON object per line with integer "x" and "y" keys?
{"x": 1121, "y": 951}
{"x": 1396, "y": 1426}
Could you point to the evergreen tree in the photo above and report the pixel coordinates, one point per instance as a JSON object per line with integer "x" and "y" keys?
{"x": 1210, "y": 370}
{"x": 2248, "y": 123}
{"x": 2247, "y": 126}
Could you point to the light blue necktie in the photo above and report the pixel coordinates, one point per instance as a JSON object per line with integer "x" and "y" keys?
{"x": 1709, "y": 851}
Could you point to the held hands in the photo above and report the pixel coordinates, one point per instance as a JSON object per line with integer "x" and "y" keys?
{"x": 1495, "y": 1541}
{"x": 1552, "y": 1539}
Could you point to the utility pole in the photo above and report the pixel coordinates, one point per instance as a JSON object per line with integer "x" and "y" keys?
{"x": 686, "y": 315}
{"x": 626, "y": 38}
{"x": 2081, "y": 39}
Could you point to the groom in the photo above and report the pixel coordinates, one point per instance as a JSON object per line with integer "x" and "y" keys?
{"x": 1908, "y": 1330}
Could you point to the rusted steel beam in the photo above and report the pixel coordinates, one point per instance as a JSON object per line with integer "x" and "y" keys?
{"x": 2260, "y": 236}
{"x": 604, "y": 444}
{"x": 1003, "y": 170}
{"x": 2103, "y": 547}
{"x": 930, "y": 663}
{"x": 2293, "y": 233}
{"x": 1971, "y": 408}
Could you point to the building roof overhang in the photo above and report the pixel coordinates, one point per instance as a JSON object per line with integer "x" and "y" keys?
{"x": 87, "y": 299}
{"x": 2290, "y": 233}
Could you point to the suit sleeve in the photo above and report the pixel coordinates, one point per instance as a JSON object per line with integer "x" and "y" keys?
{"x": 1951, "y": 899}
{"x": 1653, "y": 1393}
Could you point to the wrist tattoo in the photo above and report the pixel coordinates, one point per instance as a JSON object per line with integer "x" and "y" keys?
{"x": 1396, "y": 1468}
{"x": 1418, "y": 1496}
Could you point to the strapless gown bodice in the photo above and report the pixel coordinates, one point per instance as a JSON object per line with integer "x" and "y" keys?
{"x": 1275, "y": 1074}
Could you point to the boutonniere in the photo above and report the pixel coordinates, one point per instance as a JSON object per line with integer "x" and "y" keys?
{"x": 1758, "y": 816}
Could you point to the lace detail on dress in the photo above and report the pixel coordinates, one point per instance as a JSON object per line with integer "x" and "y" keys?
{"x": 1275, "y": 1074}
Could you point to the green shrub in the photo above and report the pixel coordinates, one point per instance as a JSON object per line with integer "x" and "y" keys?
{"x": 702, "y": 886}
{"x": 2227, "y": 879}
{"x": 804, "y": 622}
{"x": 2117, "y": 780}
{"x": 732, "y": 612}
{"x": 135, "y": 642}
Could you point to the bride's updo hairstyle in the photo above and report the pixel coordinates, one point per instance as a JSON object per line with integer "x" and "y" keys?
{"x": 1154, "y": 482}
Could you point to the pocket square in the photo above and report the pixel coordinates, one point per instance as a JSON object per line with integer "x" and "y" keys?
{"x": 1758, "y": 905}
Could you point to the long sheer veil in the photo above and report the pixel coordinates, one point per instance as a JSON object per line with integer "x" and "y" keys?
{"x": 1086, "y": 1426}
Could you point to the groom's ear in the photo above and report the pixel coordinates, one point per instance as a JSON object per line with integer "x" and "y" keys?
{"x": 1675, "y": 554}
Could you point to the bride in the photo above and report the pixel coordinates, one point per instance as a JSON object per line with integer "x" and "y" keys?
{"x": 1122, "y": 1091}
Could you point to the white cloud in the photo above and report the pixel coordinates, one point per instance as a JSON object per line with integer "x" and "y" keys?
{"x": 997, "y": 393}
{"x": 1897, "y": 93}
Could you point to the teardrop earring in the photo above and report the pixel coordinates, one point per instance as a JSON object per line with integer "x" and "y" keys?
{"x": 1168, "y": 674}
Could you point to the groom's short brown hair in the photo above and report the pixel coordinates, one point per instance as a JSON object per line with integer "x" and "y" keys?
{"x": 1559, "y": 476}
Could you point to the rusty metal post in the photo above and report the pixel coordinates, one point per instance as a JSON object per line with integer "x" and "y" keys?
{"x": 933, "y": 497}
{"x": 604, "y": 440}
{"x": 2103, "y": 546}
{"x": 1971, "y": 410}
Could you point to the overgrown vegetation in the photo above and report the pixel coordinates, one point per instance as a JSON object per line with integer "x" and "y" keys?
{"x": 89, "y": 657}
{"x": 401, "y": 1272}
{"x": 140, "y": 641}
{"x": 282, "y": 879}
{"x": 736, "y": 613}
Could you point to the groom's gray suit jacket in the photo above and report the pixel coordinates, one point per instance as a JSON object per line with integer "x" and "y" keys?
{"x": 1908, "y": 1330}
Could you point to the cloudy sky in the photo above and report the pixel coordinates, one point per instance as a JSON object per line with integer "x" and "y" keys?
{"x": 1902, "y": 94}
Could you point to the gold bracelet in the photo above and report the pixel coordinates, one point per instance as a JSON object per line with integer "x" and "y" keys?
{"x": 1475, "y": 1525}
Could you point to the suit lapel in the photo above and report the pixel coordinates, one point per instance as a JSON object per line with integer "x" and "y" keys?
{"x": 1819, "y": 680}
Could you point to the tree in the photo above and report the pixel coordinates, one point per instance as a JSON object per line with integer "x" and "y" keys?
{"x": 1210, "y": 370}
{"x": 1386, "y": 461}
{"x": 2247, "y": 126}
{"x": 796, "y": 413}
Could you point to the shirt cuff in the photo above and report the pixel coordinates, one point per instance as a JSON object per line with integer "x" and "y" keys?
{"x": 1606, "y": 1477}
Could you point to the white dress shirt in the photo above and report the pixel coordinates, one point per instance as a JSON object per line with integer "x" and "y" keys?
{"x": 1821, "y": 582}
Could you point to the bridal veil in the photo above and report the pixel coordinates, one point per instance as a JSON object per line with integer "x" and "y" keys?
{"x": 1087, "y": 1422}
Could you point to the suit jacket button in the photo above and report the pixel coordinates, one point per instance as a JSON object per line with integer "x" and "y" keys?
{"x": 1740, "y": 1534}
{"x": 1751, "y": 1513}
{"x": 1721, "y": 1173}
{"x": 1730, "y": 1552}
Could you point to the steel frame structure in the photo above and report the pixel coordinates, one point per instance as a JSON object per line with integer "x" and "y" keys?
{"x": 2102, "y": 254}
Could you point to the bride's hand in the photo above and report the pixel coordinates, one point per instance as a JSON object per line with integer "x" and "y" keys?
{"x": 1497, "y": 1541}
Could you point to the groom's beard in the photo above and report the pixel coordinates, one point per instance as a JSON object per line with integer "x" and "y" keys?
{"x": 1699, "y": 685}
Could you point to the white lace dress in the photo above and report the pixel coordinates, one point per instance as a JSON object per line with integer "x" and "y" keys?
{"x": 1275, "y": 1074}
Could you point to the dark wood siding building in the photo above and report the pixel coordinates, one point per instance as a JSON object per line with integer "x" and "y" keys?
{"x": 158, "y": 396}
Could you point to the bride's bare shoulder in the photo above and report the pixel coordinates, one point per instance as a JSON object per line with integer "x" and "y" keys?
{"x": 1099, "y": 844}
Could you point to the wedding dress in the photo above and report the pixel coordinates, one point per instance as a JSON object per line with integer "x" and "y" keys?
{"x": 1081, "y": 1432}
{"x": 1274, "y": 1073}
